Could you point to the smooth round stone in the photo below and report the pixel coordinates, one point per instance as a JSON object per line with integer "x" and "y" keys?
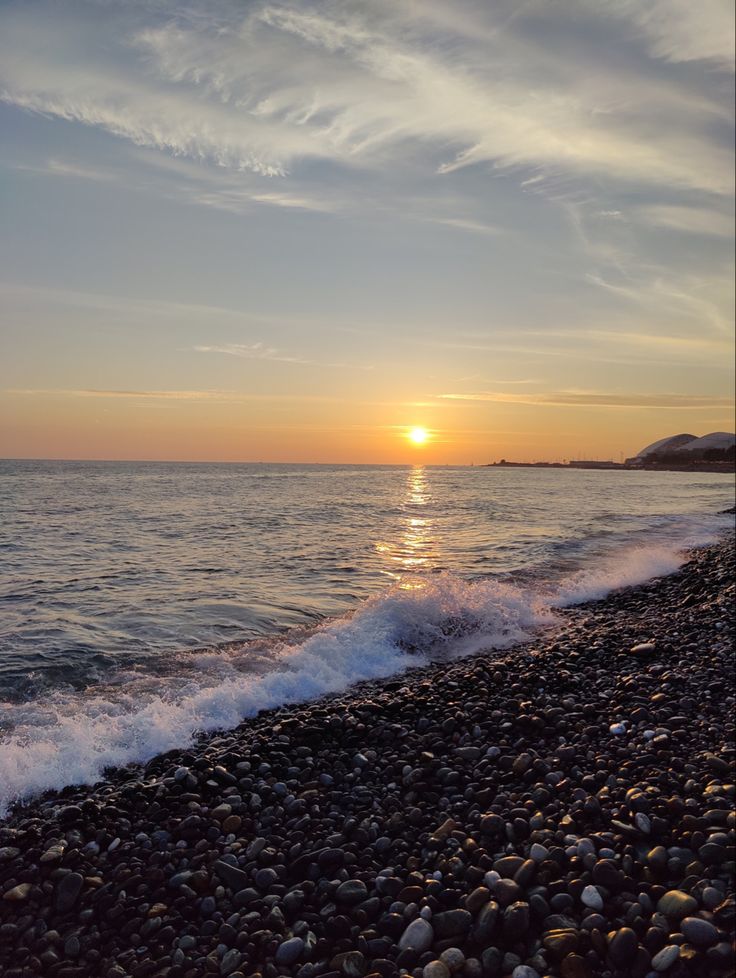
{"x": 67, "y": 892}
{"x": 538, "y": 852}
{"x": 418, "y": 935}
{"x": 290, "y": 951}
{"x": 574, "y": 966}
{"x": 453, "y": 958}
{"x": 351, "y": 892}
{"x": 265, "y": 878}
{"x": 506, "y": 891}
{"x": 711, "y": 897}
{"x": 607, "y": 873}
{"x": 561, "y": 902}
{"x": 623, "y": 947}
{"x": 665, "y": 958}
{"x": 524, "y": 971}
{"x": 477, "y": 899}
{"x": 354, "y": 965}
{"x": 676, "y": 903}
{"x": 657, "y": 858}
{"x": 699, "y": 931}
{"x": 436, "y": 969}
{"x": 230, "y": 961}
{"x": 590, "y": 897}
{"x": 516, "y": 921}
{"x": 18, "y": 893}
{"x": 561, "y": 942}
{"x": 473, "y": 968}
{"x": 712, "y": 853}
{"x": 643, "y": 822}
{"x": 231, "y": 824}
{"x": 452, "y": 922}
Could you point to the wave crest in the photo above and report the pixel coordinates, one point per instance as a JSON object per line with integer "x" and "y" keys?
{"x": 71, "y": 738}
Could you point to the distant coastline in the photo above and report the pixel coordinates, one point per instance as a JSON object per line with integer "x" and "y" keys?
{"x": 714, "y": 452}
{"x": 725, "y": 467}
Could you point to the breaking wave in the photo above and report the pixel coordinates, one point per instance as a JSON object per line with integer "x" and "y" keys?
{"x": 71, "y": 737}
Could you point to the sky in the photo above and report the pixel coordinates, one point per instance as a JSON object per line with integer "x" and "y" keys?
{"x": 263, "y": 231}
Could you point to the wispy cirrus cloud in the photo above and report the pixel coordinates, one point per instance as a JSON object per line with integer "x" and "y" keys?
{"x": 361, "y": 85}
{"x": 692, "y": 220}
{"x": 162, "y": 395}
{"x": 573, "y": 398}
{"x": 678, "y": 30}
{"x": 260, "y": 351}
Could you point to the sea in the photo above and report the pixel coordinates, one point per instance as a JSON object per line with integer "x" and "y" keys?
{"x": 142, "y": 603}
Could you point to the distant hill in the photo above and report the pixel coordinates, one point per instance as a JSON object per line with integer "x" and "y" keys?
{"x": 717, "y": 446}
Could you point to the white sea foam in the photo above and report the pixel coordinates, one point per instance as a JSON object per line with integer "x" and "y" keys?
{"x": 70, "y": 738}
{"x": 629, "y": 565}
{"x": 627, "y": 568}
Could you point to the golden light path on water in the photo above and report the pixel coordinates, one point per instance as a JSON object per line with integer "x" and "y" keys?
{"x": 416, "y": 551}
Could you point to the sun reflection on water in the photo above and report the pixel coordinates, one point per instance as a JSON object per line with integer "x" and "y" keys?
{"x": 415, "y": 552}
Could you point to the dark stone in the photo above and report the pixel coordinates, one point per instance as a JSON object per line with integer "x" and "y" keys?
{"x": 67, "y": 891}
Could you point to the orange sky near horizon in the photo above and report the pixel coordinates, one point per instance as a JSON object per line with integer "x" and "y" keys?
{"x": 459, "y": 433}
{"x": 292, "y": 233}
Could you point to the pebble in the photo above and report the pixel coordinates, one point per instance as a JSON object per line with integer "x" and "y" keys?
{"x": 289, "y": 951}
{"x": 436, "y": 969}
{"x": 590, "y": 897}
{"x": 623, "y": 947}
{"x": 18, "y": 893}
{"x": 351, "y": 892}
{"x": 453, "y": 958}
{"x": 419, "y": 935}
{"x": 524, "y": 971}
{"x": 676, "y": 904}
{"x": 699, "y": 931}
{"x": 665, "y": 958}
{"x": 67, "y": 892}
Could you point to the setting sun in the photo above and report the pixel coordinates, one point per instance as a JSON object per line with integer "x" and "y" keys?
{"x": 418, "y": 436}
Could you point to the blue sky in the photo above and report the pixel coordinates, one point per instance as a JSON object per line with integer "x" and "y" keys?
{"x": 289, "y": 231}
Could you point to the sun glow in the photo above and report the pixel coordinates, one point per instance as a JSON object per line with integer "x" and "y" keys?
{"x": 418, "y": 436}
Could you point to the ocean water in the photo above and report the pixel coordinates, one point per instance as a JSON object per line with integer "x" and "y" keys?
{"x": 141, "y": 603}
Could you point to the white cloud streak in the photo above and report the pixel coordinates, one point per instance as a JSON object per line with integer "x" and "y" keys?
{"x": 596, "y": 399}
{"x": 354, "y": 85}
{"x": 683, "y": 30}
{"x": 259, "y": 351}
{"x": 691, "y": 220}
{"x": 163, "y": 395}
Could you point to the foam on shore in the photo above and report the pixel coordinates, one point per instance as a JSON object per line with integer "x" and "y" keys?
{"x": 70, "y": 737}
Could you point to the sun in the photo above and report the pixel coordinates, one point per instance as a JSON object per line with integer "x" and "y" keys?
{"x": 418, "y": 436}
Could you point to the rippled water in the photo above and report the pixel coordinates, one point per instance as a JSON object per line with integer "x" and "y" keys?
{"x": 290, "y": 581}
{"x": 104, "y": 561}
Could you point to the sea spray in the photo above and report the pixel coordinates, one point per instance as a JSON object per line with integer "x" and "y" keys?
{"x": 72, "y": 738}
{"x": 627, "y": 566}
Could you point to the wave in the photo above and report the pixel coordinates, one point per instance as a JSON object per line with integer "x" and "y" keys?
{"x": 71, "y": 738}
{"x": 631, "y": 566}
{"x": 655, "y": 553}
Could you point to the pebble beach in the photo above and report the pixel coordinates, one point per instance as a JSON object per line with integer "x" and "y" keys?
{"x": 565, "y": 808}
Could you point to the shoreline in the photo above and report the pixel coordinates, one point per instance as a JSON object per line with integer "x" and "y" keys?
{"x": 534, "y": 808}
